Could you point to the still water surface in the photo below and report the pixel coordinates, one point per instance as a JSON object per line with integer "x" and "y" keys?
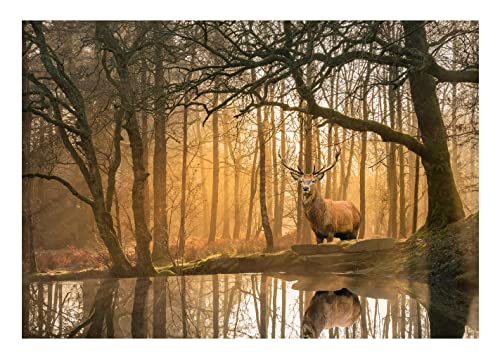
{"x": 246, "y": 306}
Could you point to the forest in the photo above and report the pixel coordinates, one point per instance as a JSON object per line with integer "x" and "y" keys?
{"x": 156, "y": 148}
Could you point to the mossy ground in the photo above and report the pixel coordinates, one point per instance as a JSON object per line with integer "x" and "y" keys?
{"x": 451, "y": 253}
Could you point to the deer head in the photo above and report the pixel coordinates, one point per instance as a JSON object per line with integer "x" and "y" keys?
{"x": 308, "y": 180}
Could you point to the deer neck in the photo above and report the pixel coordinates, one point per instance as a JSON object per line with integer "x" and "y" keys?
{"x": 311, "y": 199}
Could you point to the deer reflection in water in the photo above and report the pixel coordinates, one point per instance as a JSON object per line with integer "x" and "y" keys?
{"x": 326, "y": 310}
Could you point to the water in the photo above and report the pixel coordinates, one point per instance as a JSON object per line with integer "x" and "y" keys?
{"x": 247, "y": 306}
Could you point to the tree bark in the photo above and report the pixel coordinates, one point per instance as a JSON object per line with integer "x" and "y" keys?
{"x": 139, "y": 319}
{"x": 160, "y": 224}
{"x": 283, "y": 308}
{"x": 88, "y": 164}
{"x": 215, "y": 304}
{"x": 392, "y": 229}
{"x": 225, "y": 219}
{"x": 215, "y": 173}
{"x": 262, "y": 183}
{"x": 362, "y": 164}
{"x": 29, "y": 259}
{"x": 182, "y": 225}
{"x": 129, "y": 105}
{"x": 444, "y": 203}
{"x": 300, "y": 209}
{"x": 159, "y": 307}
{"x": 401, "y": 158}
{"x": 145, "y": 144}
{"x": 253, "y": 190}
{"x": 263, "y": 306}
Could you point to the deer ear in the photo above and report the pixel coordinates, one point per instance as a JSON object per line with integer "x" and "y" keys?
{"x": 295, "y": 176}
{"x": 319, "y": 176}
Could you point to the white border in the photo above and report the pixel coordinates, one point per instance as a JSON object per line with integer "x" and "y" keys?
{"x": 257, "y": 9}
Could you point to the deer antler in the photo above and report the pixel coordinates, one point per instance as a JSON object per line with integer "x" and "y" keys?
{"x": 335, "y": 160}
{"x": 283, "y": 162}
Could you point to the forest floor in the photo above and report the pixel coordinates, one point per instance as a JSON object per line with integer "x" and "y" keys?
{"x": 430, "y": 256}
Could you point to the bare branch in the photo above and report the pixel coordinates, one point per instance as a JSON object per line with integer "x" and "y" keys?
{"x": 65, "y": 183}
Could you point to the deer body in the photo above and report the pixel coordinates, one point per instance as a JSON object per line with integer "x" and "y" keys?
{"x": 328, "y": 218}
{"x": 327, "y": 310}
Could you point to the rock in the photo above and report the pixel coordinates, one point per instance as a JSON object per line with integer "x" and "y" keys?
{"x": 375, "y": 244}
{"x": 358, "y": 245}
{"x": 311, "y": 249}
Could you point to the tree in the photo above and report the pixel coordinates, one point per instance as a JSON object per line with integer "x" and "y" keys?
{"x": 128, "y": 102}
{"x": 292, "y": 48}
{"x": 160, "y": 226}
{"x": 82, "y": 150}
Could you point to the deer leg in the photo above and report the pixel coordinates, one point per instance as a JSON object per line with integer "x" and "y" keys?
{"x": 320, "y": 237}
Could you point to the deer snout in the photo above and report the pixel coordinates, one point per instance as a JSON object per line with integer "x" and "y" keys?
{"x": 306, "y": 188}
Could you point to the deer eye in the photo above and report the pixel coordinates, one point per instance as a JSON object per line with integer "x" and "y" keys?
{"x": 313, "y": 180}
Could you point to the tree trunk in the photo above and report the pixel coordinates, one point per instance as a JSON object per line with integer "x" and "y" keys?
{"x": 281, "y": 206}
{"x": 215, "y": 304}
{"x": 328, "y": 186}
{"x": 182, "y": 226}
{"x": 349, "y": 168}
{"x": 215, "y": 173}
{"x": 277, "y": 221}
{"x": 392, "y": 229}
{"x": 263, "y": 306}
{"x": 335, "y": 193}
{"x": 401, "y": 158}
{"x": 362, "y": 164}
{"x": 225, "y": 219}
{"x": 318, "y": 162}
{"x": 300, "y": 208}
{"x": 283, "y": 308}
{"x": 159, "y": 307}
{"x": 237, "y": 209}
{"x": 160, "y": 225}
{"x": 129, "y": 106}
{"x": 139, "y": 318}
{"x": 145, "y": 144}
{"x": 274, "y": 306}
{"x": 204, "y": 194}
{"x": 184, "y": 308}
{"x": 444, "y": 203}
{"x": 308, "y": 137}
{"x": 262, "y": 183}
{"x": 29, "y": 259}
{"x": 253, "y": 190}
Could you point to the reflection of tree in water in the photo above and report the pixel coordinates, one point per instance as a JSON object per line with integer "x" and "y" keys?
{"x": 251, "y": 306}
{"x": 55, "y": 308}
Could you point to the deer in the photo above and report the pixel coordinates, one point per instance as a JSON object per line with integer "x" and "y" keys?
{"x": 340, "y": 308}
{"x": 328, "y": 219}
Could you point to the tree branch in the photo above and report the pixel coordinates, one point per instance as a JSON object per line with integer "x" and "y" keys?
{"x": 65, "y": 183}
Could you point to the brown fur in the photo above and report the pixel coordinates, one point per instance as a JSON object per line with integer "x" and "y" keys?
{"x": 330, "y": 309}
{"x": 328, "y": 218}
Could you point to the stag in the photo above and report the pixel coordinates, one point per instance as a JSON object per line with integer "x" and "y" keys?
{"x": 326, "y": 310}
{"x": 329, "y": 219}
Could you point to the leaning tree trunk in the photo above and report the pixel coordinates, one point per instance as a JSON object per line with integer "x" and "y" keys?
{"x": 444, "y": 203}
